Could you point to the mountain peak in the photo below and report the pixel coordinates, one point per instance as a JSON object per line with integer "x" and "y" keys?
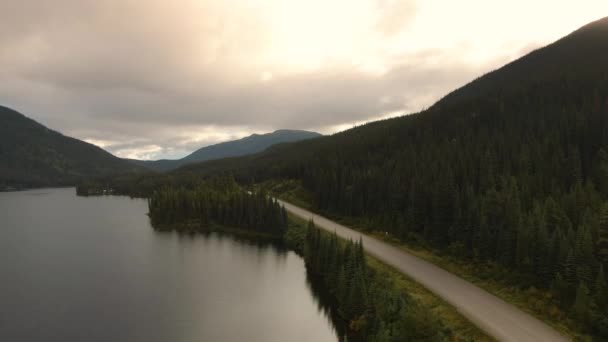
{"x": 598, "y": 24}
{"x": 293, "y": 131}
{"x": 248, "y": 145}
{"x": 251, "y": 144}
{"x": 574, "y": 58}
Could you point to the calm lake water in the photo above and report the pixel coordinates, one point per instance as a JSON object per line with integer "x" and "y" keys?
{"x": 92, "y": 269}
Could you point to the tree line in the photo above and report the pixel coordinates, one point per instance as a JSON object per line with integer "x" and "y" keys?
{"x": 374, "y": 308}
{"x": 527, "y": 190}
{"x": 216, "y": 202}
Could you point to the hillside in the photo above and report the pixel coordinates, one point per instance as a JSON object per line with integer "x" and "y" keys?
{"x": 578, "y": 56}
{"x": 249, "y": 145}
{"x": 32, "y": 155}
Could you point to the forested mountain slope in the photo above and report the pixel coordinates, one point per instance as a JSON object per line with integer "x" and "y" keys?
{"x": 576, "y": 56}
{"x": 510, "y": 169}
{"x": 252, "y": 144}
{"x": 32, "y": 155}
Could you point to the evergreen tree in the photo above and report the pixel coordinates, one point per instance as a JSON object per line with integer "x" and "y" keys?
{"x": 601, "y": 289}
{"x": 560, "y": 287}
{"x": 582, "y": 304}
{"x": 583, "y": 254}
{"x": 602, "y": 242}
{"x": 216, "y": 202}
{"x": 371, "y": 305}
{"x": 569, "y": 269}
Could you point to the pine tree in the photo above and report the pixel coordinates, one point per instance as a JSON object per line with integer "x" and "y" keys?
{"x": 601, "y": 289}
{"x": 602, "y": 242}
{"x": 583, "y": 254}
{"x": 217, "y": 201}
{"x": 574, "y": 166}
{"x": 523, "y": 247}
{"x": 569, "y": 269}
{"x": 601, "y": 170}
{"x": 543, "y": 260}
{"x": 581, "y": 306}
{"x": 560, "y": 287}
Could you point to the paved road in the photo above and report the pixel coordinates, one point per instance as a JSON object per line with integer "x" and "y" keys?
{"x": 499, "y": 319}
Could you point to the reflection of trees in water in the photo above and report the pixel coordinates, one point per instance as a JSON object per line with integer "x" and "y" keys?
{"x": 327, "y": 304}
{"x": 261, "y": 245}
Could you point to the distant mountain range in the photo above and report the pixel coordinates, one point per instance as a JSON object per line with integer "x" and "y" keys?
{"x": 252, "y": 144}
{"x": 31, "y": 155}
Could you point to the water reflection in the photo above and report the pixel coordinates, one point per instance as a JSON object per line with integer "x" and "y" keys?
{"x": 326, "y": 303}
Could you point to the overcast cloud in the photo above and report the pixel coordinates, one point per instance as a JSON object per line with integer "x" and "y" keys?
{"x": 153, "y": 79}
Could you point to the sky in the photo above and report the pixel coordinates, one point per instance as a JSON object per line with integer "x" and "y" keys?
{"x": 154, "y": 79}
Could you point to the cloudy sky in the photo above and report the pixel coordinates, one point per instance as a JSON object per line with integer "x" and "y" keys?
{"x": 150, "y": 79}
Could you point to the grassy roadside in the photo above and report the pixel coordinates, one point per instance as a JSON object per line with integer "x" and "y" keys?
{"x": 538, "y": 303}
{"x": 490, "y": 277}
{"x": 459, "y": 327}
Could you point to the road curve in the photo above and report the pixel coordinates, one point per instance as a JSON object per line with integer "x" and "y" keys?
{"x": 497, "y": 318}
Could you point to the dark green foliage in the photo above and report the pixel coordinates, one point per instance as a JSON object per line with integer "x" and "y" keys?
{"x": 602, "y": 241}
{"x": 218, "y": 201}
{"x": 582, "y": 304}
{"x": 372, "y": 305}
{"x": 140, "y": 185}
{"x": 560, "y": 287}
{"x": 91, "y": 188}
{"x": 601, "y": 290}
{"x": 32, "y": 155}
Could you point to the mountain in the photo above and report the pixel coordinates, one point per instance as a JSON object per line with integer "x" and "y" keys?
{"x": 559, "y": 81}
{"x": 511, "y": 171}
{"x": 32, "y": 155}
{"x": 578, "y": 56}
{"x": 249, "y": 145}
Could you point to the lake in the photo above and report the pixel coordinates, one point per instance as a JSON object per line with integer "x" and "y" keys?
{"x": 93, "y": 269}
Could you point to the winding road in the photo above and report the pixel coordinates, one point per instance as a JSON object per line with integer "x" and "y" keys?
{"x": 497, "y": 318}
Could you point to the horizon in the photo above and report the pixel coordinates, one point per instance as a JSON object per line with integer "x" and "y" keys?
{"x": 259, "y": 68}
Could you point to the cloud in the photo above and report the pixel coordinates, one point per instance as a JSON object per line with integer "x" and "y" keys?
{"x": 395, "y": 15}
{"x": 158, "y": 78}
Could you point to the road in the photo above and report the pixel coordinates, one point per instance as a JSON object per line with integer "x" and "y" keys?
{"x": 497, "y": 318}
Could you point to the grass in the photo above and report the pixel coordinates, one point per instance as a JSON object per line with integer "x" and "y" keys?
{"x": 461, "y": 329}
{"x": 538, "y": 303}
